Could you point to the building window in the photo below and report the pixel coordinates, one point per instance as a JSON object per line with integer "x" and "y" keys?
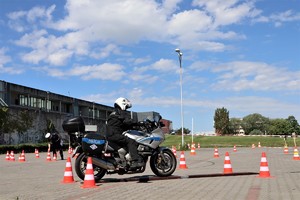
{"x": 33, "y": 102}
{"x": 23, "y": 100}
{"x": 49, "y": 105}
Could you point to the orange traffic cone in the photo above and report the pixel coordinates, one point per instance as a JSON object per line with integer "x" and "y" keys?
{"x": 7, "y": 156}
{"x": 227, "y": 164}
{"x": 193, "y": 151}
{"x": 22, "y": 157}
{"x": 68, "y": 175}
{"x": 234, "y": 148}
{"x": 296, "y": 154}
{"x": 258, "y": 145}
{"x": 89, "y": 179}
{"x": 198, "y": 145}
{"x": 48, "y": 156}
{"x": 253, "y": 146}
{"x": 264, "y": 169}
{"x": 70, "y": 151}
{"x": 12, "y": 156}
{"x": 286, "y": 149}
{"x": 216, "y": 153}
{"x": 174, "y": 151}
{"x": 182, "y": 164}
{"x": 54, "y": 157}
{"x": 37, "y": 155}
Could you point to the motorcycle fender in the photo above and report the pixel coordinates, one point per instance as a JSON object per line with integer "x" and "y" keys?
{"x": 77, "y": 151}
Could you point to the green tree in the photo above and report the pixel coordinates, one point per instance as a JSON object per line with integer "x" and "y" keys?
{"x": 5, "y": 125}
{"x": 185, "y": 131}
{"x": 221, "y": 121}
{"x": 23, "y": 121}
{"x": 280, "y": 127}
{"x": 294, "y": 126}
{"x": 256, "y": 132}
{"x": 20, "y": 121}
{"x": 255, "y": 122}
{"x": 234, "y": 125}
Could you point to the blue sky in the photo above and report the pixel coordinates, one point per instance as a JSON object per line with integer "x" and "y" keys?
{"x": 241, "y": 55}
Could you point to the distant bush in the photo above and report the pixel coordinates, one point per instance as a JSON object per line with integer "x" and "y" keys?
{"x": 28, "y": 148}
{"x": 256, "y": 132}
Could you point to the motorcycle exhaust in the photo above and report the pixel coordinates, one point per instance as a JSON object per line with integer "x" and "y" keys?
{"x": 103, "y": 164}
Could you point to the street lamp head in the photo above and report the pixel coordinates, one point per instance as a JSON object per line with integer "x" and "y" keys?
{"x": 177, "y": 50}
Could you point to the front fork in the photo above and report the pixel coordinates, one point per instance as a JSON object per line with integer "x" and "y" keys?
{"x": 161, "y": 153}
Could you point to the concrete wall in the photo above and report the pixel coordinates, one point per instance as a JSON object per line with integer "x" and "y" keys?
{"x": 37, "y": 133}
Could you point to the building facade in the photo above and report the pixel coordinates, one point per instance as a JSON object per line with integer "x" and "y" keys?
{"x": 44, "y": 106}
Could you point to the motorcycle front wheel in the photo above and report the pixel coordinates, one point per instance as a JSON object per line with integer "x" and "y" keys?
{"x": 80, "y": 167}
{"x": 163, "y": 166}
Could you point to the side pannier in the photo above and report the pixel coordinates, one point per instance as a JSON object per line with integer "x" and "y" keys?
{"x": 93, "y": 143}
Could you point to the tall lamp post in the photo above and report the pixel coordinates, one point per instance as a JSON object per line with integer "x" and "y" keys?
{"x": 181, "y": 107}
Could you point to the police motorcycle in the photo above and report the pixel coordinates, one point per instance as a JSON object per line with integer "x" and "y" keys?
{"x": 108, "y": 158}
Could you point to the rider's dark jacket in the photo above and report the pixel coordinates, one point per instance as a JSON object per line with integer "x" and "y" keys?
{"x": 117, "y": 123}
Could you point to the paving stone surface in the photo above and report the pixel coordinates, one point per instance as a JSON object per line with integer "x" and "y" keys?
{"x": 203, "y": 179}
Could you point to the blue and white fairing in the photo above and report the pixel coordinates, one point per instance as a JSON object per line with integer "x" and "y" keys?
{"x": 153, "y": 139}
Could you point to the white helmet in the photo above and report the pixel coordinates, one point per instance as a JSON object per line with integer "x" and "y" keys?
{"x": 123, "y": 103}
{"x": 47, "y": 135}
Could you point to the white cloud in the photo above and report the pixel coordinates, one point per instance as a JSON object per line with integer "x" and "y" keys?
{"x": 189, "y": 21}
{"x": 50, "y": 49}
{"x": 266, "y": 106}
{"x": 286, "y": 16}
{"x": 239, "y": 106}
{"x": 170, "y": 6}
{"x": 106, "y": 71}
{"x": 40, "y": 13}
{"x": 164, "y": 65}
{"x": 257, "y": 76}
{"x": 227, "y": 12}
{"x": 147, "y": 78}
{"x": 106, "y": 51}
{"x": 4, "y": 59}
{"x": 32, "y": 18}
{"x": 59, "y": 57}
{"x": 106, "y": 99}
{"x": 279, "y": 18}
{"x": 200, "y": 66}
{"x": 50, "y": 71}
{"x": 96, "y": 29}
{"x": 210, "y": 46}
{"x": 114, "y": 21}
{"x": 137, "y": 61}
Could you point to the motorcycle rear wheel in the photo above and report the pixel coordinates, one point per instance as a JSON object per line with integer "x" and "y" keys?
{"x": 161, "y": 167}
{"x": 80, "y": 167}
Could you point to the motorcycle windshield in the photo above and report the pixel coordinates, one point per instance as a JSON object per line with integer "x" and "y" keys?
{"x": 157, "y": 131}
{"x": 135, "y": 132}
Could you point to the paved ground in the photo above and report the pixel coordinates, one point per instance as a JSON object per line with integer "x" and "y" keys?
{"x": 38, "y": 179}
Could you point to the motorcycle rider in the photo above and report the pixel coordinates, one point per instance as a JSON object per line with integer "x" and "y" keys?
{"x": 117, "y": 123}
